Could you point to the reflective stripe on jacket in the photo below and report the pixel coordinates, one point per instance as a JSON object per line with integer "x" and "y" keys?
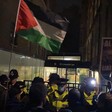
{"x": 60, "y": 100}
{"x": 55, "y": 99}
{"x": 89, "y": 98}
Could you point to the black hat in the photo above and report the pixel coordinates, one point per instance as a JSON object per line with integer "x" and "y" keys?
{"x": 13, "y": 74}
{"x": 54, "y": 77}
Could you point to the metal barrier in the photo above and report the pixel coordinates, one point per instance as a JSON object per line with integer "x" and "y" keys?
{"x": 28, "y": 84}
{"x": 69, "y": 85}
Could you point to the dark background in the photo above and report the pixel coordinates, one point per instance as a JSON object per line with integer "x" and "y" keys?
{"x": 71, "y": 10}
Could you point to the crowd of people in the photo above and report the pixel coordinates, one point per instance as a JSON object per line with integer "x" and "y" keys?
{"x": 51, "y": 97}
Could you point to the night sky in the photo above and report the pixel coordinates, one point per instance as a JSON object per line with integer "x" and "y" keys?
{"x": 71, "y": 41}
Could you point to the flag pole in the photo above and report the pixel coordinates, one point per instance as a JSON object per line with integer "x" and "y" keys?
{"x": 12, "y": 47}
{"x": 17, "y": 18}
{"x": 14, "y": 35}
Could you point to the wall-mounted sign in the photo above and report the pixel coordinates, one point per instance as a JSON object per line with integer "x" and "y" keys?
{"x": 67, "y": 64}
{"x": 106, "y": 58}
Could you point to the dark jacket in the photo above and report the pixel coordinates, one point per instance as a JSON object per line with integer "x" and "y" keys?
{"x": 13, "y": 105}
{"x": 3, "y": 95}
{"x": 32, "y": 108}
{"x": 78, "y": 107}
{"x": 37, "y": 110}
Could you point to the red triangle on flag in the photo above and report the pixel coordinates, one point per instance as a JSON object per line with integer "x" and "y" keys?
{"x": 25, "y": 19}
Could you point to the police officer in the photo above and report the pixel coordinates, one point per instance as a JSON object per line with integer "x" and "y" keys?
{"x": 54, "y": 79}
{"x": 57, "y": 94}
{"x": 3, "y": 91}
{"x": 61, "y": 94}
{"x": 13, "y": 76}
{"x": 89, "y": 85}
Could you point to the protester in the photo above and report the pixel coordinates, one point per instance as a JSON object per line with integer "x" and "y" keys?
{"x": 3, "y": 91}
{"x": 74, "y": 101}
{"x": 14, "y": 100}
{"x": 104, "y": 102}
{"x": 38, "y": 80}
{"x": 37, "y": 98}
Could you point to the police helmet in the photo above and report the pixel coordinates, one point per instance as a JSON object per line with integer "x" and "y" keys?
{"x": 13, "y": 74}
{"x": 89, "y": 83}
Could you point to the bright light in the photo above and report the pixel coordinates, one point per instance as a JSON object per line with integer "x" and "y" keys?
{"x": 93, "y": 82}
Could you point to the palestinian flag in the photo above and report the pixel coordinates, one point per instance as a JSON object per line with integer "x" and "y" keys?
{"x": 29, "y": 28}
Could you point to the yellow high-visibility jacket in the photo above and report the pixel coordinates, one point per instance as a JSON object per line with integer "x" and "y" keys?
{"x": 55, "y": 99}
{"x": 89, "y": 98}
{"x": 60, "y": 100}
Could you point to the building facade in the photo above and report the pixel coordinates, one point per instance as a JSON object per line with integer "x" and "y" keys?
{"x": 95, "y": 25}
{"x": 16, "y": 52}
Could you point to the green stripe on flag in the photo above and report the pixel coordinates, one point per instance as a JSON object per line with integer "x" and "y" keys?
{"x": 44, "y": 41}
